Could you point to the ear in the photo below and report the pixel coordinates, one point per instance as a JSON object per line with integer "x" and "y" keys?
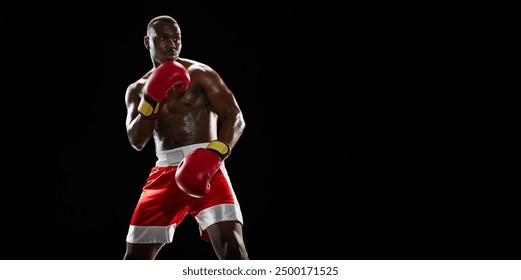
{"x": 146, "y": 41}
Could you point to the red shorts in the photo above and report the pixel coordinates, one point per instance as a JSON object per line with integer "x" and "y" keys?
{"x": 162, "y": 206}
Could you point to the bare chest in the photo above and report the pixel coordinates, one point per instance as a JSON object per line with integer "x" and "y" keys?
{"x": 185, "y": 101}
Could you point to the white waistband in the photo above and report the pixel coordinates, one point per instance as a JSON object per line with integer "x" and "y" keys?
{"x": 174, "y": 156}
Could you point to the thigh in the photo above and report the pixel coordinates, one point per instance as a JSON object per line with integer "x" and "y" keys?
{"x": 227, "y": 240}
{"x": 142, "y": 251}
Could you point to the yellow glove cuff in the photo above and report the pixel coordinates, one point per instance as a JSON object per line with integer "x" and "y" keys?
{"x": 148, "y": 107}
{"x": 220, "y": 148}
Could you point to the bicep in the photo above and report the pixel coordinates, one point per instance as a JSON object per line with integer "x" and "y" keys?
{"x": 132, "y": 99}
{"x": 221, "y": 98}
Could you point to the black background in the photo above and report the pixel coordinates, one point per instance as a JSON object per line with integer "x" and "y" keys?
{"x": 73, "y": 179}
{"x": 317, "y": 85}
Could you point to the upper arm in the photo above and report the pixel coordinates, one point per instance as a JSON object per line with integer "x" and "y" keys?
{"x": 220, "y": 97}
{"x": 132, "y": 98}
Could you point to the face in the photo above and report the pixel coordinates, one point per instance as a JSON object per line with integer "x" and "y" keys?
{"x": 164, "y": 41}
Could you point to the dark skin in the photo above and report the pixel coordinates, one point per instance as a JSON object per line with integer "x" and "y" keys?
{"x": 186, "y": 118}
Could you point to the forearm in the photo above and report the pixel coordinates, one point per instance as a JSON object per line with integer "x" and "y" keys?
{"x": 139, "y": 131}
{"x": 231, "y": 129}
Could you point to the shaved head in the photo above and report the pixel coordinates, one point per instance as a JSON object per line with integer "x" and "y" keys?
{"x": 163, "y": 18}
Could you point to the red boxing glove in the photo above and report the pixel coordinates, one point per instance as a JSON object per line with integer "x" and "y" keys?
{"x": 197, "y": 169}
{"x": 170, "y": 74}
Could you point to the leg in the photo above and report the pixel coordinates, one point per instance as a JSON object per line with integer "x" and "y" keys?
{"x": 227, "y": 240}
{"x": 142, "y": 251}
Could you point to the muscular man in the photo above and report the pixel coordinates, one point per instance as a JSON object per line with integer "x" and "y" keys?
{"x": 179, "y": 104}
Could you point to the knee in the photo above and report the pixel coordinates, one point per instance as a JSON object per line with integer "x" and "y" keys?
{"x": 235, "y": 251}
